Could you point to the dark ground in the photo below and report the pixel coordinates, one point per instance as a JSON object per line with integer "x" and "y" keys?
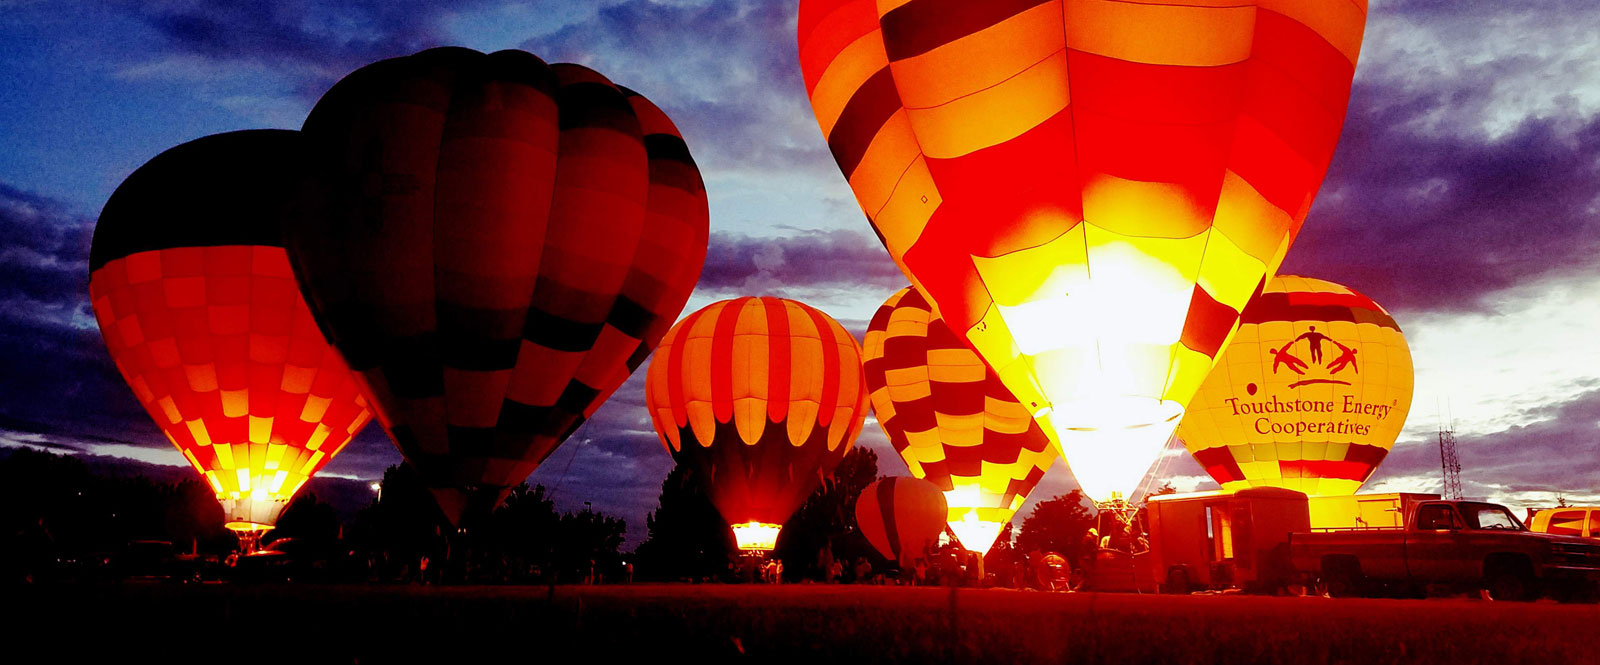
{"x": 765, "y": 624}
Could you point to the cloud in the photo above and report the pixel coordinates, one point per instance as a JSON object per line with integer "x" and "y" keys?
{"x": 1425, "y": 221}
{"x": 1552, "y": 451}
{"x": 56, "y": 371}
{"x": 1467, "y": 165}
{"x": 801, "y": 265}
{"x": 724, "y": 70}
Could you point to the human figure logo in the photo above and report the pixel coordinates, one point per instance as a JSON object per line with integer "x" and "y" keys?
{"x": 1285, "y": 357}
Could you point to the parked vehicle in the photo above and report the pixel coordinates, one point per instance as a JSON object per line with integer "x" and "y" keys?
{"x": 1454, "y": 544}
{"x": 1567, "y": 521}
{"x": 1364, "y": 511}
{"x": 1217, "y": 540}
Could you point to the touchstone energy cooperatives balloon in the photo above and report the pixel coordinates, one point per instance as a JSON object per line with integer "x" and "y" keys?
{"x": 951, "y": 419}
{"x": 200, "y": 312}
{"x": 495, "y": 244}
{"x": 1310, "y": 395}
{"x": 902, "y": 518}
{"x": 1087, "y": 191}
{"x": 761, "y": 398}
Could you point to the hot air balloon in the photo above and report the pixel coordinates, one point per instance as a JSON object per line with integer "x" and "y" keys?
{"x": 1087, "y": 191}
{"x": 198, "y": 307}
{"x": 901, "y": 517}
{"x": 951, "y": 419}
{"x": 1310, "y": 396}
{"x": 495, "y": 244}
{"x": 761, "y": 398}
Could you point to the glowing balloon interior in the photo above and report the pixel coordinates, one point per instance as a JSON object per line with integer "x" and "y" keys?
{"x": 1087, "y": 191}
{"x": 200, "y": 312}
{"x": 1310, "y": 395}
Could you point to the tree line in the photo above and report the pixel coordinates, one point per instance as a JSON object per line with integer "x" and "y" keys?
{"x": 62, "y": 521}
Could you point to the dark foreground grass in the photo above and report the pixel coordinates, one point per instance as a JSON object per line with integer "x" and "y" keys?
{"x": 764, "y": 624}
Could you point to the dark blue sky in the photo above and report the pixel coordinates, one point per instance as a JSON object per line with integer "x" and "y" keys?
{"x": 1465, "y": 197}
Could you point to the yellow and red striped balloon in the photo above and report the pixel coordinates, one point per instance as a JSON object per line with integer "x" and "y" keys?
{"x": 495, "y": 244}
{"x": 1310, "y": 395}
{"x": 951, "y": 419}
{"x": 200, "y": 312}
{"x": 1087, "y": 191}
{"x": 761, "y": 398}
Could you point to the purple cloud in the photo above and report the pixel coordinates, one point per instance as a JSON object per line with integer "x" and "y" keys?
{"x": 1429, "y": 220}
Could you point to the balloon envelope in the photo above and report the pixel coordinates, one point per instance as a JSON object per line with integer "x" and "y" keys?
{"x": 902, "y": 517}
{"x": 1310, "y": 395}
{"x": 1087, "y": 191}
{"x": 951, "y": 419}
{"x": 761, "y": 398}
{"x": 199, "y": 310}
{"x": 495, "y": 244}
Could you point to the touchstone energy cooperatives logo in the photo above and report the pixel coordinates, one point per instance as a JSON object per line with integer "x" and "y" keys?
{"x": 1313, "y": 358}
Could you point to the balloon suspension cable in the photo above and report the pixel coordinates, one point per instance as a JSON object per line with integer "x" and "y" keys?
{"x": 1157, "y": 473}
{"x": 249, "y": 540}
{"x": 576, "y": 445}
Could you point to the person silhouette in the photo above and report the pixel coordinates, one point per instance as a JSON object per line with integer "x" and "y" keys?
{"x": 1283, "y": 357}
{"x": 1315, "y": 339}
{"x": 1347, "y": 356}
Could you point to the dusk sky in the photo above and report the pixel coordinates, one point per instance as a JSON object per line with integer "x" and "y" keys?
{"x": 1464, "y": 197}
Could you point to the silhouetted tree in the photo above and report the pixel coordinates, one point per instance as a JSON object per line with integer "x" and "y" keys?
{"x": 401, "y": 526}
{"x": 587, "y": 546}
{"x": 688, "y": 539}
{"x": 58, "y": 518}
{"x": 1057, "y": 525}
{"x": 827, "y": 520}
{"x": 310, "y": 522}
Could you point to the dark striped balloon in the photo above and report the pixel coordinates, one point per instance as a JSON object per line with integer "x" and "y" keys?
{"x": 951, "y": 419}
{"x": 495, "y": 244}
{"x": 901, "y": 517}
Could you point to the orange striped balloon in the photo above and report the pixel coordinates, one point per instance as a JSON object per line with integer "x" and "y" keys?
{"x": 200, "y": 312}
{"x": 951, "y": 419}
{"x": 901, "y": 517}
{"x": 1310, "y": 395}
{"x": 761, "y": 398}
{"x": 1087, "y": 191}
{"x": 495, "y": 244}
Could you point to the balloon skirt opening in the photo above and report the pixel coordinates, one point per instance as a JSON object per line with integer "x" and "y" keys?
{"x": 1111, "y": 443}
{"x": 756, "y": 536}
{"x": 976, "y": 535}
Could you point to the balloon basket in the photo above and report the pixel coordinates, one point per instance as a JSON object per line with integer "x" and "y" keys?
{"x": 1116, "y": 505}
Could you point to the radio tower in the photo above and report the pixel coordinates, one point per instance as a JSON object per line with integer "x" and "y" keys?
{"x": 1450, "y": 462}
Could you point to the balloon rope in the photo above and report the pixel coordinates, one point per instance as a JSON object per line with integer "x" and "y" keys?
{"x": 563, "y": 477}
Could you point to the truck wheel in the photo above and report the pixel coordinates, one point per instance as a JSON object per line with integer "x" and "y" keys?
{"x": 1507, "y": 585}
{"x": 1177, "y": 582}
{"x": 1342, "y": 581}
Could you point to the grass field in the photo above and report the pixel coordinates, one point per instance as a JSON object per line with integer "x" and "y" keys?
{"x": 792, "y": 623}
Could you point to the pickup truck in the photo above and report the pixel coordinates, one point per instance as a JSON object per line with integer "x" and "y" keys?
{"x": 1460, "y": 544}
